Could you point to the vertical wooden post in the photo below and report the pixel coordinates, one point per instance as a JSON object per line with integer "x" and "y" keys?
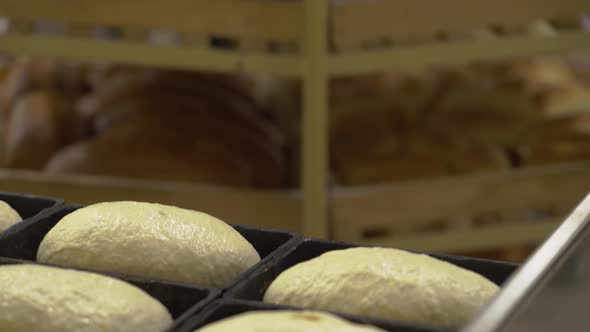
{"x": 315, "y": 120}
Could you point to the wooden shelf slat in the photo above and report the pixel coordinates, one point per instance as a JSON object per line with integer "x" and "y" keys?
{"x": 417, "y": 202}
{"x": 355, "y": 21}
{"x": 271, "y": 209}
{"x": 453, "y": 53}
{"x": 236, "y": 18}
{"x": 139, "y": 53}
{"x": 485, "y": 238}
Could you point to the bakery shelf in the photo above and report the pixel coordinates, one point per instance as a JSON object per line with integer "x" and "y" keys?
{"x": 249, "y": 24}
{"x": 459, "y": 52}
{"x": 139, "y": 53}
{"x": 461, "y": 214}
{"x": 281, "y": 208}
{"x": 358, "y": 22}
{"x": 238, "y": 18}
{"x": 310, "y": 39}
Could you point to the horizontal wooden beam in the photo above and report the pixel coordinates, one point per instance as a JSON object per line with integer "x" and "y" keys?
{"x": 356, "y": 21}
{"x": 422, "y": 202}
{"x": 451, "y": 53}
{"x": 143, "y": 54}
{"x": 270, "y": 209}
{"x": 235, "y": 18}
{"x": 479, "y": 239}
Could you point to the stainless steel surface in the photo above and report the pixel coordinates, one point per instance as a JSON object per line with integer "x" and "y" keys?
{"x": 551, "y": 291}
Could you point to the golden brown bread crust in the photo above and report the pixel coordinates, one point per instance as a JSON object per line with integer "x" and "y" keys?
{"x": 570, "y": 127}
{"x": 135, "y": 153}
{"x": 425, "y": 155}
{"x": 557, "y": 150}
{"x": 125, "y": 83}
{"x": 264, "y": 156}
{"x": 366, "y": 170}
{"x": 161, "y": 91}
{"x": 40, "y": 124}
{"x": 371, "y": 131}
{"x": 406, "y": 92}
{"x": 478, "y": 159}
{"x": 565, "y": 101}
{"x": 535, "y": 74}
{"x": 185, "y": 106}
{"x": 27, "y": 75}
{"x": 484, "y": 114}
{"x": 191, "y": 107}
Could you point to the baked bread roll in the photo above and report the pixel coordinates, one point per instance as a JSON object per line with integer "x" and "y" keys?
{"x": 375, "y": 169}
{"x": 286, "y": 321}
{"x": 137, "y": 151}
{"x": 571, "y": 127}
{"x": 261, "y": 153}
{"x": 459, "y": 156}
{"x": 366, "y": 132}
{"x": 8, "y": 216}
{"x": 47, "y": 299}
{"x": 40, "y": 124}
{"x": 482, "y": 114}
{"x": 478, "y": 159}
{"x": 565, "y": 101}
{"x": 150, "y": 240}
{"x": 557, "y": 151}
{"x": 533, "y": 75}
{"x": 384, "y": 283}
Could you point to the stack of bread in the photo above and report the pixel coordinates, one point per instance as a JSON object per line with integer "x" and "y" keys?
{"x": 130, "y": 122}
{"x": 563, "y": 101}
{"x": 37, "y": 114}
{"x": 63, "y": 117}
{"x": 469, "y": 119}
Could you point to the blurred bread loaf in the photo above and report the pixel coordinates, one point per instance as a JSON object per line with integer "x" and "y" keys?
{"x": 39, "y": 124}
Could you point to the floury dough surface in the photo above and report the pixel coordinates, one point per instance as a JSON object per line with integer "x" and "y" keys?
{"x": 46, "y": 299}
{"x": 149, "y": 240}
{"x": 384, "y": 283}
{"x": 8, "y": 216}
{"x": 286, "y": 321}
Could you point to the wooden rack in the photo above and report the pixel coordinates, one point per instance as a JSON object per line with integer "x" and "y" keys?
{"x": 312, "y": 40}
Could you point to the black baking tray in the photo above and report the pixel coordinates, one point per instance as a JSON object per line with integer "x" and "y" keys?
{"x": 253, "y": 286}
{"x": 182, "y": 301}
{"x": 30, "y": 207}
{"x": 225, "y": 308}
{"x": 24, "y": 240}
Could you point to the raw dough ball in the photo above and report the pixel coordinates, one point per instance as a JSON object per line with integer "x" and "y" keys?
{"x": 286, "y": 321}
{"x": 47, "y": 299}
{"x": 8, "y": 216}
{"x": 384, "y": 283}
{"x": 149, "y": 240}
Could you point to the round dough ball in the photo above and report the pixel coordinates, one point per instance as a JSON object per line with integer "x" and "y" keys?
{"x": 8, "y": 216}
{"x": 384, "y": 283}
{"x": 150, "y": 240}
{"x": 47, "y": 299}
{"x": 286, "y": 321}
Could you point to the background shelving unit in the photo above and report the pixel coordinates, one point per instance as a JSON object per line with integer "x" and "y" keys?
{"x": 314, "y": 41}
